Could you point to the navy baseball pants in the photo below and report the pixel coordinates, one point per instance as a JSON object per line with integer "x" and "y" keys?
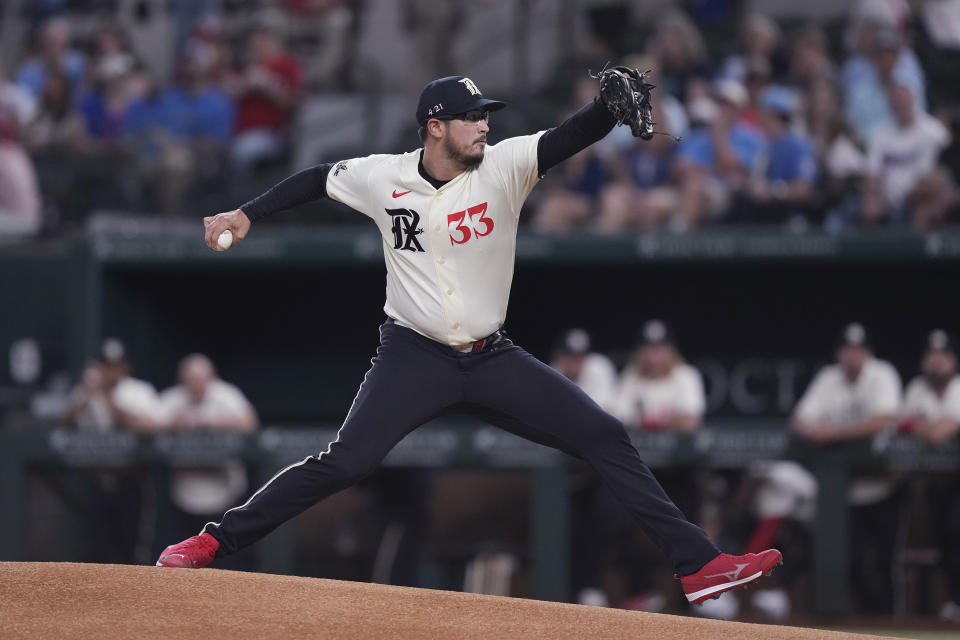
{"x": 413, "y": 380}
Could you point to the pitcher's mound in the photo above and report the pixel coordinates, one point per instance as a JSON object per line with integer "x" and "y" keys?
{"x": 80, "y": 601}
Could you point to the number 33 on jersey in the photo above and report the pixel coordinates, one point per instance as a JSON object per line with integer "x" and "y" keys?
{"x": 444, "y": 246}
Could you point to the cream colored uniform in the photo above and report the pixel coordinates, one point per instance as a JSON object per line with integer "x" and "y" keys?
{"x": 450, "y": 251}
{"x": 922, "y": 400}
{"x": 832, "y": 398}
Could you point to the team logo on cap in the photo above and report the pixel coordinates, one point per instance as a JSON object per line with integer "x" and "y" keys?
{"x": 471, "y": 87}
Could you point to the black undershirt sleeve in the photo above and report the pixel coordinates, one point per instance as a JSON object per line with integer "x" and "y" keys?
{"x": 579, "y": 131}
{"x": 304, "y": 186}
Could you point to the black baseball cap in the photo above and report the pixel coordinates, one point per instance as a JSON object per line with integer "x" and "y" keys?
{"x": 655, "y": 332}
{"x": 450, "y": 96}
{"x": 854, "y": 335}
{"x": 940, "y": 340}
{"x": 573, "y": 341}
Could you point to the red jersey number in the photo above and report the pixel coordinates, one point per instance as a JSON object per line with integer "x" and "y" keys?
{"x": 480, "y": 210}
{"x": 477, "y": 224}
{"x": 462, "y": 228}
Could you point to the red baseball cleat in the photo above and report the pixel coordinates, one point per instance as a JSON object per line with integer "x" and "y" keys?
{"x": 727, "y": 572}
{"x": 195, "y": 552}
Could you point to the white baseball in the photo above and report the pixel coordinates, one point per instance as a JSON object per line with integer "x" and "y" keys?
{"x": 225, "y": 241}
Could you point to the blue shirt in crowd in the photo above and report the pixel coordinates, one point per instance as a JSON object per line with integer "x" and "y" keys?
{"x": 790, "y": 157}
{"x": 32, "y": 76}
{"x": 181, "y": 114}
{"x": 697, "y": 148}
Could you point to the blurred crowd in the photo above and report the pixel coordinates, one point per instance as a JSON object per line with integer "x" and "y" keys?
{"x": 789, "y": 124}
{"x": 858, "y": 397}
{"x": 792, "y": 128}
{"x": 110, "y": 398}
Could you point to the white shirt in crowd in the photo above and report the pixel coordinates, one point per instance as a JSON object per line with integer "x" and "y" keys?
{"x": 681, "y": 392}
{"x": 903, "y": 156}
{"x": 923, "y": 401}
{"x": 222, "y": 400}
{"x": 832, "y": 398}
{"x": 207, "y": 490}
{"x": 598, "y": 379}
{"x": 449, "y": 252}
{"x": 130, "y": 395}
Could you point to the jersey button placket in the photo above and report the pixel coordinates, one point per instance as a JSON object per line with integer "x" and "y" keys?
{"x": 445, "y": 266}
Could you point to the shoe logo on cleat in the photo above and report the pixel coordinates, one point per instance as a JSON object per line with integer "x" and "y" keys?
{"x": 730, "y": 575}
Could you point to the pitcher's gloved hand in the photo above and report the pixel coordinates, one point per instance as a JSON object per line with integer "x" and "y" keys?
{"x": 625, "y": 92}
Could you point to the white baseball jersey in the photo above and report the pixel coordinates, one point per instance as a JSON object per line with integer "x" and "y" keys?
{"x": 921, "y": 400}
{"x": 681, "y": 392}
{"x": 450, "y": 251}
{"x": 598, "y": 379}
{"x": 832, "y": 398}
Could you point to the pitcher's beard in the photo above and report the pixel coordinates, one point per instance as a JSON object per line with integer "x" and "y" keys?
{"x": 468, "y": 160}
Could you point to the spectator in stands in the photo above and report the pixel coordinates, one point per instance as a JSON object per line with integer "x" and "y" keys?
{"x": 330, "y": 26}
{"x": 267, "y": 92}
{"x": 641, "y": 194}
{"x": 131, "y": 404}
{"x": 810, "y": 60}
{"x": 715, "y": 159}
{"x": 859, "y": 398}
{"x": 756, "y": 83}
{"x": 107, "y": 399}
{"x": 17, "y": 99}
{"x": 782, "y": 183}
{"x": 54, "y": 52}
{"x": 608, "y": 23}
{"x": 201, "y": 400}
{"x": 759, "y": 46}
{"x": 88, "y": 408}
{"x": 57, "y": 141}
{"x": 570, "y": 190}
{"x": 20, "y": 204}
{"x": 901, "y": 163}
{"x": 113, "y": 86}
{"x": 57, "y": 128}
{"x": 950, "y": 156}
{"x": 573, "y": 356}
{"x": 840, "y": 160}
{"x": 681, "y": 56}
{"x": 931, "y": 412}
{"x": 884, "y": 60}
{"x": 658, "y": 390}
{"x": 179, "y": 134}
{"x": 931, "y": 407}
{"x": 207, "y": 48}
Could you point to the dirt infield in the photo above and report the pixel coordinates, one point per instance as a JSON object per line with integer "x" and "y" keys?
{"x": 81, "y": 601}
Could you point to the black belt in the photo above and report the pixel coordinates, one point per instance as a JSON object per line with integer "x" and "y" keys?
{"x": 487, "y": 343}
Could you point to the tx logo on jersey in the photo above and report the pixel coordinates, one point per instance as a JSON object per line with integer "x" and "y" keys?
{"x": 405, "y": 229}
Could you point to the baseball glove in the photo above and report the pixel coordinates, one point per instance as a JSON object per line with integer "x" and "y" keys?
{"x": 625, "y": 92}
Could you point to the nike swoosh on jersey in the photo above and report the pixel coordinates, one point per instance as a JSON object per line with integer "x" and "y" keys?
{"x": 397, "y": 195}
